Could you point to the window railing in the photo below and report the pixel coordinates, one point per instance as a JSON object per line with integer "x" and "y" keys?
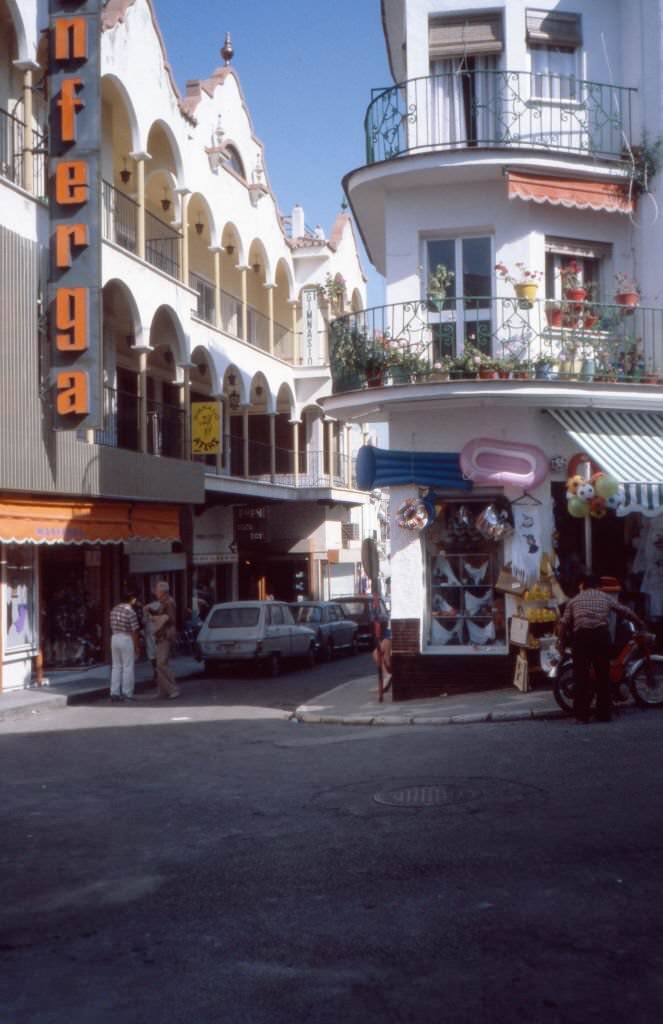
{"x": 121, "y": 427}
{"x": 313, "y": 467}
{"x": 419, "y": 340}
{"x": 13, "y": 139}
{"x": 166, "y": 430}
{"x": 119, "y": 217}
{"x": 515, "y": 109}
{"x": 205, "y": 297}
{"x": 162, "y": 245}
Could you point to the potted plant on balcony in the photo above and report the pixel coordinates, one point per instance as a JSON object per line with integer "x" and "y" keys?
{"x": 567, "y": 360}
{"x": 525, "y": 282}
{"x": 440, "y": 369}
{"x": 627, "y": 292}
{"x": 488, "y": 367}
{"x": 572, "y": 285}
{"x": 466, "y": 365}
{"x": 333, "y": 291}
{"x": 439, "y": 282}
{"x": 407, "y": 361}
{"x": 554, "y": 312}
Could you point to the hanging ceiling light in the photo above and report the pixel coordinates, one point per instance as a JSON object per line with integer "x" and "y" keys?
{"x": 165, "y": 202}
{"x": 125, "y": 173}
{"x": 199, "y": 226}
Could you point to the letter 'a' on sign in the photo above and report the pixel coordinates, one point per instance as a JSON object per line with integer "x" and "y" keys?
{"x": 71, "y": 319}
{"x": 71, "y": 182}
{"x": 73, "y": 393}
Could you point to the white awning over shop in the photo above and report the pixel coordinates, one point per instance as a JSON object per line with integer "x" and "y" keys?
{"x": 628, "y": 445}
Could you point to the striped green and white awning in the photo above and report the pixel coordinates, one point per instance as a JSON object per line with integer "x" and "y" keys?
{"x": 628, "y": 445}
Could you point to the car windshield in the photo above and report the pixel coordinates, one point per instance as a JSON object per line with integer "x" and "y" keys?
{"x": 355, "y": 607}
{"x": 226, "y": 618}
{"x": 306, "y": 613}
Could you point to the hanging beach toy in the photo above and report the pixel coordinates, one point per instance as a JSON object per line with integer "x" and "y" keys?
{"x": 415, "y": 514}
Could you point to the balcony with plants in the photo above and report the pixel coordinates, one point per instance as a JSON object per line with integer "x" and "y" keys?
{"x": 443, "y": 338}
{"x": 482, "y": 109}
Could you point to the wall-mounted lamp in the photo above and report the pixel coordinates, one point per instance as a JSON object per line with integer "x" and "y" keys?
{"x": 202, "y": 369}
{"x": 199, "y": 226}
{"x": 231, "y": 379}
{"x": 258, "y": 391}
{"x": 230, "y": 249}
{"x": 165, "y": 202}
{"x": 125, "y": 173}
{"x": 233, "y": 399}
{"x": 256, "y": 268}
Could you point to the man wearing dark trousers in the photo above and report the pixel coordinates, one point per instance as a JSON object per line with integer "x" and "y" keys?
{"x": 585, "y": 625}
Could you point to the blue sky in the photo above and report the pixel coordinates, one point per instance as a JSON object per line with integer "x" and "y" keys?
{"x": 307, "y": 70}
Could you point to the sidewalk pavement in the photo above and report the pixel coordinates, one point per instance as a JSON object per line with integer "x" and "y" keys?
{"x": 77, "y": 686}
{"x": 356, "y": 703}
{"x": 352, "y": 703}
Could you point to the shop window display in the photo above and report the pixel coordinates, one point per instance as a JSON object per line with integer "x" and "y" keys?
{"x": 71, "y": 608}
{"x": 466, "y": 613}
{"x": 20, "y": 577}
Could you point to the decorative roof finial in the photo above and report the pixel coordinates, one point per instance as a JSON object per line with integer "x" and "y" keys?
{"x": 227, "y": 51}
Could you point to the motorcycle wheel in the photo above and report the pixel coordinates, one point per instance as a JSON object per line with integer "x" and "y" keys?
{"x": 564, "y": 689}
{"x": 647, "y": 683}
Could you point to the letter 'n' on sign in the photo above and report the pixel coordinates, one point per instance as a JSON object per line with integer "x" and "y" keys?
{"x": 73, "y": 394}
{"x": 70, "y": 39}
{"x": 71, "y": 319}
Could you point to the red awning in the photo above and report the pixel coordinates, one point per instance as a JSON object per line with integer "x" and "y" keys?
{"x": 86, "y": 522}
{"x": 576, "y": 193}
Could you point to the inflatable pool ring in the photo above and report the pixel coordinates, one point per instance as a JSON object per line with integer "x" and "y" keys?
{"x": 488, "y": 461}
{"x": 415, "y": 514}
{"x": 576, "y": 461}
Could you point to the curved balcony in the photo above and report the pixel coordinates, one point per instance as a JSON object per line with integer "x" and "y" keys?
{"x": 462, "y": 337}
{"x": 488, "y": 109}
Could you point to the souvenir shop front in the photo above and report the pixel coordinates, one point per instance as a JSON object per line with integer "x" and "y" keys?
{"x": 61, "y": 571}
{"x": 499, "y": 531}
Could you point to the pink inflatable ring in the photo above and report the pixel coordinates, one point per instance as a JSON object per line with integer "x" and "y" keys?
{"x": 488, "y": 461}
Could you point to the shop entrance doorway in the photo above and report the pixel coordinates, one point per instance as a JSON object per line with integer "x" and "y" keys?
{"x": 73, "y": 604}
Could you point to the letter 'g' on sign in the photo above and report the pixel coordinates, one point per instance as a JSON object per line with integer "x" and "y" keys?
{"x": 71, "y": 182}
{"x": 71, "y": 318}
{"x": 73, "y": 396}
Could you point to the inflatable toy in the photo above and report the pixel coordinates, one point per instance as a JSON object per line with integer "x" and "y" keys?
{"x": 490, "y": 462}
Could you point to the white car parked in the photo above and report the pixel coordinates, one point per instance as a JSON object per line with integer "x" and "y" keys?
{"x": 264, "y": 632}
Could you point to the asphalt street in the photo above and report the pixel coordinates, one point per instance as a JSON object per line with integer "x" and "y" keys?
{"x": 211, "y": 860}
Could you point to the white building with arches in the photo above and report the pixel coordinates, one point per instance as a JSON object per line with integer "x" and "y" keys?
{"x": 209, "y": 294}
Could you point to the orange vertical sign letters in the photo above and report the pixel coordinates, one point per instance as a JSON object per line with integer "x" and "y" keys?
{"x": 67, "y": 236}
{"x": 69, "y": 104}
{"x": 71, "y": 182}
{"x": 71, "y": 319}
{"x": 70, "y": 39}
{"x": 73, "y": 393}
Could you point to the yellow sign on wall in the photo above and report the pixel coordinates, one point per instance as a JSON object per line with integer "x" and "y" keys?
{"x": 205, "y": 428}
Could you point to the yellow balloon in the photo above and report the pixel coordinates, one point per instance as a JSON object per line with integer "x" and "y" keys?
{"x": 578, "y": 508}
{"x": 606, "y": 486}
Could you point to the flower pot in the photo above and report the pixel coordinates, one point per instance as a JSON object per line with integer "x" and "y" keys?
{"x": 570, "y": 319}
{"x": 650, "y": 378}
{"x": 568, "y": 369}
{"x": 504, "y": 374}
{"x": 522, "y": 375}
{"x": 554, "y": 317}
{"x": 437, "y": 375}
{"x": 627, "y": 299}
{"x": 543, "y": 371}
{"x": 575, "y": 294}
{"x": 526, "y": 290}
{"x": 437, "y": 302}
{"x": 590, "y": 320}
{"x": 488, "y": 375}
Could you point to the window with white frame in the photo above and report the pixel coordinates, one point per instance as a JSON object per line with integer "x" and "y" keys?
{"x": 554, "y": 40}
{"x": 590, "y": 260}
{"x": 469, "y": 265}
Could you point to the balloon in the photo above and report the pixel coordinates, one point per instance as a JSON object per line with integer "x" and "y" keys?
{"x": 606, "y": 486}
{"x": 578, "y": 508}
{"x": 574, "y": 482}
{"x": 615, "y": 500}
{"x": 597, "y": 508}
{"x": 585, "y": 491}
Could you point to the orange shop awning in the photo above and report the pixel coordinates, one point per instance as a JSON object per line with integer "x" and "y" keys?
{"x": 576, "y": 193}
{"x": 86, "y": 522}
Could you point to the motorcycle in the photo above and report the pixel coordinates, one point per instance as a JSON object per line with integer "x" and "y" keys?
{"x": 635, "y": 673}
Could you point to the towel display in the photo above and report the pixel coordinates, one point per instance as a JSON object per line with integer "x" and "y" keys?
{"x": 481, "y": 635}
{"x": 475, "y": 573}
{"x": 478, "y": 605}
{"x": 443, "y": 635}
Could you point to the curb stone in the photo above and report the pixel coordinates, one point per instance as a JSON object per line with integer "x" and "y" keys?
{"x": 510, "y": 716}
{"x": 470, "y": 719}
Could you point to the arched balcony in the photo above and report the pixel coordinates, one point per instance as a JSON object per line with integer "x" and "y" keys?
{"x": 22, "y": 109}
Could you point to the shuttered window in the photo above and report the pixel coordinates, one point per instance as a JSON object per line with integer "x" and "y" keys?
{"x": 553, "y": 29}
{"x": 454, "y": 37}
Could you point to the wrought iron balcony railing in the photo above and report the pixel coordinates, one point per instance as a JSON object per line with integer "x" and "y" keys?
{"x": 13, "y": 140}
{"x": 485, "y": 109}
{"x": 460, "y": 337}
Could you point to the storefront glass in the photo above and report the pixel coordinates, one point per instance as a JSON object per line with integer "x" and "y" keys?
{"x": 465, "y": 612}
{"x": 20, "y": 597}
{"x": 71, "y": 607}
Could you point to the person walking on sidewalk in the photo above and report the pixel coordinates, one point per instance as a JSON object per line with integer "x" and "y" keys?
{"x": 124, "y": 647}
{"x": 585, "y": 625}
{"x": 164, "y": 634}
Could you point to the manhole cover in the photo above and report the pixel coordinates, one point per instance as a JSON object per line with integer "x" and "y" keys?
{"x": 426, "y": 796}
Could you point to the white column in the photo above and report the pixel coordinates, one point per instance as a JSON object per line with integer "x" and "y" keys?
{"x": 140, "y": 159}
{"x": 185, "y": 406}
{"x": 348, "y": 455}
{"x": 330, "y": 447}
{"x": 185, "y": 196}
{"x": 245, "y": 303}
{"x": 216, "y": 252}
{"x": 295, "y": 450}
{"x": 28, "y": 68}
{"x": 270, "y": 313}
{"x": 296, "y": 354}
{"x": 142, "y": 399}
